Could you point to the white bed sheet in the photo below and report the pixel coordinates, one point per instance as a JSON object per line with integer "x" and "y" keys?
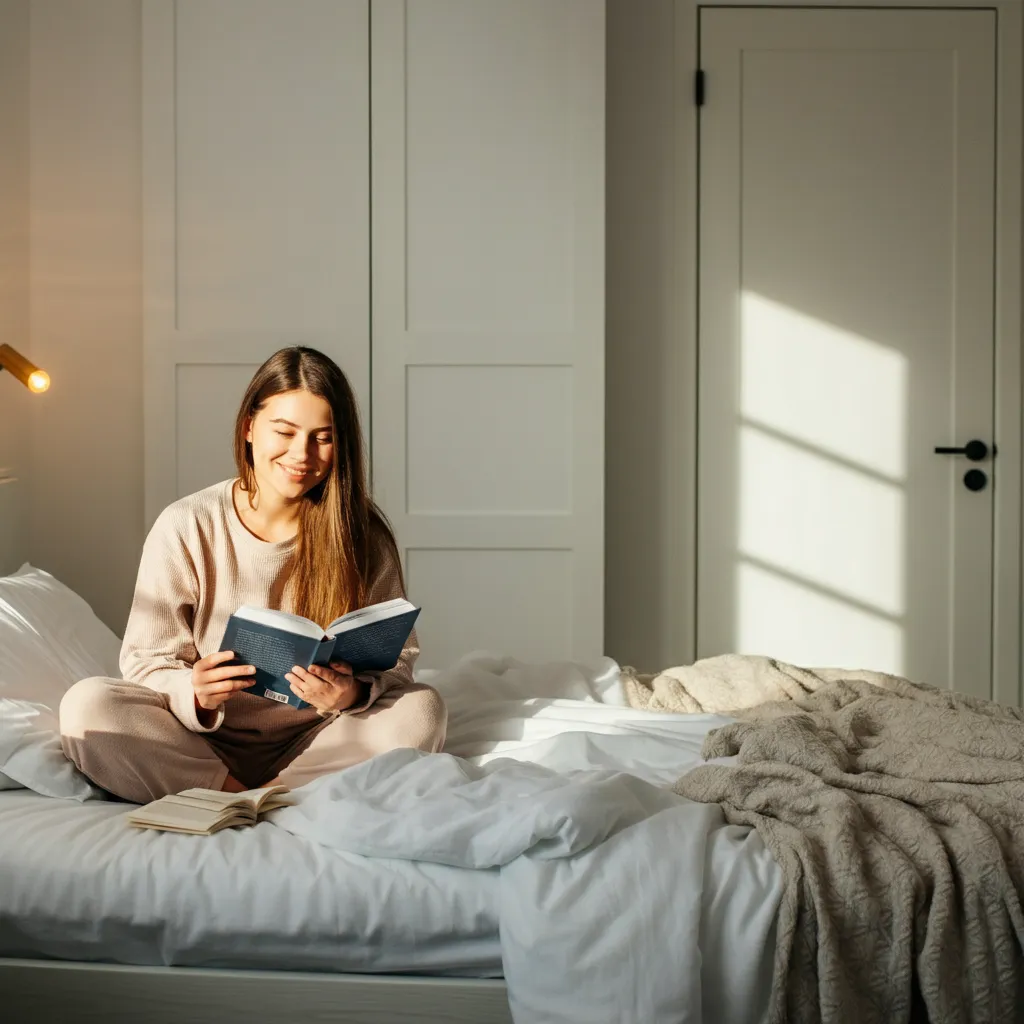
{"x": 77, "y": 883}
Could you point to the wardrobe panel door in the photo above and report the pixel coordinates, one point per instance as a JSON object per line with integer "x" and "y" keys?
{"x": 256, "y": 212}
{"x": 488, "y": 318}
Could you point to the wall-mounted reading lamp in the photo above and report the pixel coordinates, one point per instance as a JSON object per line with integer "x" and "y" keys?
{"x": 30, "y": 375}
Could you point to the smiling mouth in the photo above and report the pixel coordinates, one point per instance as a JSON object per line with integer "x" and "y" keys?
{"x": 295, "y": 474}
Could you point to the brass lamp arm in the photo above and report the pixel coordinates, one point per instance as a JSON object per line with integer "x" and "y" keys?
{"x": 29, "y": 374}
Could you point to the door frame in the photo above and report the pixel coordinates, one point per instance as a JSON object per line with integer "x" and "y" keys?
{"x": 1008, "y": 508}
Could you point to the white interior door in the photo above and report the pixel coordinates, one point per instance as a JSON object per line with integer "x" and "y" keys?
{"x": 488, "y": 318}
{"x": 256, "y": 153}
{"x": 847, "y": 166}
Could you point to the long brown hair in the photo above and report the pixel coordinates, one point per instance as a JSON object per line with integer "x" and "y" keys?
{"x": 343, "y": 534}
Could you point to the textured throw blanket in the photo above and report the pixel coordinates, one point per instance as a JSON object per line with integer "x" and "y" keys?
{"x": 896, "y": 813}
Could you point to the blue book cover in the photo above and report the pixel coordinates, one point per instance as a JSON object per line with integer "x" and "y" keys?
{"x": 370, "y": 639}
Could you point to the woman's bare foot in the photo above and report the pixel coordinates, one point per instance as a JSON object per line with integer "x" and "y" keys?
{"x": 232, "y": 785}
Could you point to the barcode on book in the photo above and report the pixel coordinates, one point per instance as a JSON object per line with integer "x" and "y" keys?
{"x": 274, "y": 695}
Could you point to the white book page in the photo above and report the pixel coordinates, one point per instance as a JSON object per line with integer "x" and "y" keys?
{"x": 253, "y": 800}
{"x": 199, "y": 827}
{"x": 180, "y": 830}
{"x": 266, "y": 798}
{"x": 178, "y": 812}
{"x": 212, "y": 798}
{"x": 372, "y": 613}
{"x": 280, "y": 620}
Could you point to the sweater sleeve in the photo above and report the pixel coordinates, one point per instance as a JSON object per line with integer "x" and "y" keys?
{"x": 387, "y": 585}
{"x": 159, "y": 649}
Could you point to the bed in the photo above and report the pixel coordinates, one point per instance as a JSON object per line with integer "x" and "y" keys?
{"x": 288, "y": 919}
{"x": 735, "y": 840}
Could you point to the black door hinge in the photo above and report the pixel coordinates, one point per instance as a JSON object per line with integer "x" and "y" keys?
{"x": 698, "y": 88}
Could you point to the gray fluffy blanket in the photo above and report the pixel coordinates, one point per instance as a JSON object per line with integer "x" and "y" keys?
{"x": 896, "y": 813}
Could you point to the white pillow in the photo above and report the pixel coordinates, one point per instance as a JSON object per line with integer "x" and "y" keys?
{"x": 49, "y": 639}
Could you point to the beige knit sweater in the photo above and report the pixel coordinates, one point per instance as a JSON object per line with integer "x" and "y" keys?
{"x": 199, "y": 564}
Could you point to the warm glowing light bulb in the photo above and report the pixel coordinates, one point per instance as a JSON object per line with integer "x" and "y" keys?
{"x": 38, "y": 381}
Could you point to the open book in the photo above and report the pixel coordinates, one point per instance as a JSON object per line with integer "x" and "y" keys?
{"x": 370, "y": 639}
{"x": 202, "y": 812}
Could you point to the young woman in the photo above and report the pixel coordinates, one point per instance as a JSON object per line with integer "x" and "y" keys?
{"x": 296, "y": 530}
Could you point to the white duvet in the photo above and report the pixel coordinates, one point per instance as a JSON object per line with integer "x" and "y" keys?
{"x": 617, "y": 900}
{"x": 545, "y": 826}
{"x": 601, "y": 880}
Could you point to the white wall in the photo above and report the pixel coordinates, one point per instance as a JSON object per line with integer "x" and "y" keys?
{"x": 15, "y": 401}
{"x": 85, "y": 296}
{"x": 86, "y": 510}
{"x": 87, "y": 515}
{"x": 85, "y": 500}
{"x": 649, "y": 498}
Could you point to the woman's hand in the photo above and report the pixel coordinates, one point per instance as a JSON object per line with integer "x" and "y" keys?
{"x": 214, "y": 682}
{"x": 326, "y": 687}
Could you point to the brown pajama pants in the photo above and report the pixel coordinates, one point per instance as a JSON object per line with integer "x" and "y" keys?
{"x": 125, "y": 739}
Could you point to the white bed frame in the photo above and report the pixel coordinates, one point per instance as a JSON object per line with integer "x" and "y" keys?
{"x": 33, "y": 991}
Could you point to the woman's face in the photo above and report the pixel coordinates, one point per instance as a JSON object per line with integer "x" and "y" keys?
{"x": 292, "y": 443}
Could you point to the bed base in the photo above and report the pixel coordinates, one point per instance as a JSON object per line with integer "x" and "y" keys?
{"x": 37, "y": 991}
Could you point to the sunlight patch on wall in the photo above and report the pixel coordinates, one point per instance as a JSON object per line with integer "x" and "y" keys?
{"x": 821, "y": 520}
{"x": 822, "y": 459}
{"x": 816, "y": 383}
{"x": 787, "y": 621}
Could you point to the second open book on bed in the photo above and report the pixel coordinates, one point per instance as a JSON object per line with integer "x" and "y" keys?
{"x": 202, "y": 812}
{"x": 369, "y": 639}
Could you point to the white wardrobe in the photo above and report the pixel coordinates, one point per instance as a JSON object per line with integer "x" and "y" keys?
{"x": 417, "y": 189}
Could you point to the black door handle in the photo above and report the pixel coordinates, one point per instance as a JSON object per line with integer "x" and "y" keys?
{"x": 976, "y": 451}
